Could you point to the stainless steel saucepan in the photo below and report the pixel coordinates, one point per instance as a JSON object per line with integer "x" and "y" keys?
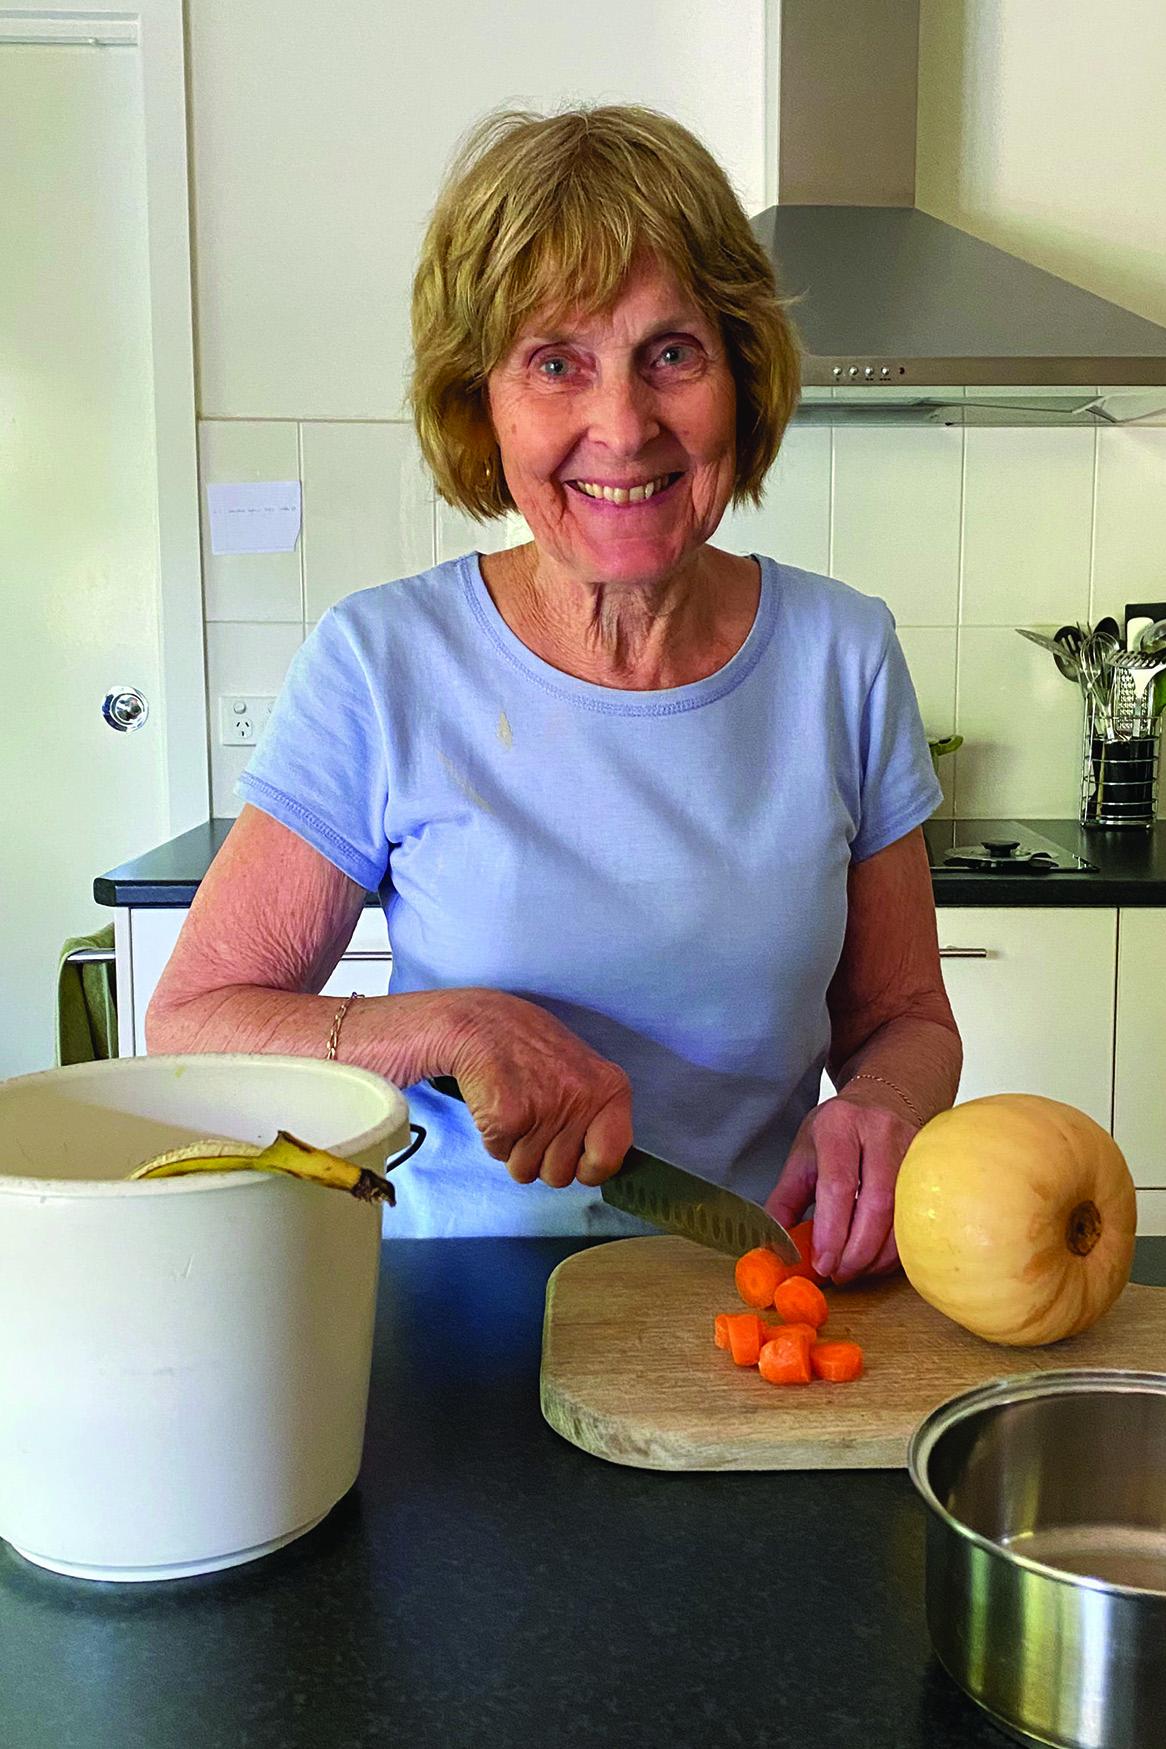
{"x": 1046, "y": 1553}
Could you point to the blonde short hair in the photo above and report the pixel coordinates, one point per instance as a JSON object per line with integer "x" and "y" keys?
{"x": 552, "y": 211}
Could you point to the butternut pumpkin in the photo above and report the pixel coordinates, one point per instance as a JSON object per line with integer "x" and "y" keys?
{"x": 1015, "y": 1216}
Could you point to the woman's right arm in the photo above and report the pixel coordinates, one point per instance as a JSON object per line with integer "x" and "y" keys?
{"x": 267, "y": 928}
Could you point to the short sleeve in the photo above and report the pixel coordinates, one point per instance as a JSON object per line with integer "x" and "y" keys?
{"x": 321, "y": 765}
{"x": 899, "y": 786}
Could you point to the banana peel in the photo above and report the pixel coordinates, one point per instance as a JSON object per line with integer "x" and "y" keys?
{"x": 286, "y": 1154}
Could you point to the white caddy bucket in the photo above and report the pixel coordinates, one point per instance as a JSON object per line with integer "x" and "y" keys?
{"x": 184, "y": 1363}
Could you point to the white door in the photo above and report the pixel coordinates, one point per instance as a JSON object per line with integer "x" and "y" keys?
{"x": 80, "y": 535}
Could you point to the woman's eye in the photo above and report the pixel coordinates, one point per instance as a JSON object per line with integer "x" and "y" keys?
{"x": 555, "y": 367}
{"x": 678, "y": 355}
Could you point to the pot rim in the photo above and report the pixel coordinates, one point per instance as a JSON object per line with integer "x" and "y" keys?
{"x": 394, "y": 1124}
{"x": 1020, "y": 1388}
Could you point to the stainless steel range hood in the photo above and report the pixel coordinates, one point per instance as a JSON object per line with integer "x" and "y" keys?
{"x": 904, "y": 318}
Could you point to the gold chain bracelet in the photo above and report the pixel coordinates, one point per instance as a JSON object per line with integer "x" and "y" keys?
{"x": 865, "y": 1075}
{"x": 338, "y": 1022}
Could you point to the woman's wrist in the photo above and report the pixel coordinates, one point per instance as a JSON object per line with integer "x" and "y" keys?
{"x": 408, "y": 1037}
{"x": 869, "y": 1087}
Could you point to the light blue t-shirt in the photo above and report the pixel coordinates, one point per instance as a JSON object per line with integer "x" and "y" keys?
{"x": 664, "y": 871}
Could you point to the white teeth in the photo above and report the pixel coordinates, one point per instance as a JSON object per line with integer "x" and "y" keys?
{"x": 622, "y": 494}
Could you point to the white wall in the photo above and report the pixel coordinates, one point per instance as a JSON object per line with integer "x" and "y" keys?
{"x": 316, "y": 149}
{"x": 1042, "y": 128}
{"x": 319, "y": 137}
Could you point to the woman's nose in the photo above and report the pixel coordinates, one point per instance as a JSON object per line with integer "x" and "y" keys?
{"x": 623, "y": 415}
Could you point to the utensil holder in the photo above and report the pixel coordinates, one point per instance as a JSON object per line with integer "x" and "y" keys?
{"x": 1119, "y": 765}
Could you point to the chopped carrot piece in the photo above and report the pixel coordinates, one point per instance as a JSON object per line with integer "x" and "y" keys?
{"x": 803, "y": 1237}
{"x": 721, "y": 1329}
{"x": 769, "y": 1331}
{"x": 837, "y": 1361}
{"x": 758, "y": 1274}
{"x": 786, "y": 1359}
{"x": 744, "y": 1337}
{"x": 800, "y": 1302}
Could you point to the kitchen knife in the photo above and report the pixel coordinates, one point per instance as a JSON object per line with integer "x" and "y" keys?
{"x": 680, "y": 1202}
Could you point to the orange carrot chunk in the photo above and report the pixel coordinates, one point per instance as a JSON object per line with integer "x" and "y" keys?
{"x": 744, "y": 1337}
{"x": 721, "y": 1329}
{"x": 803, "y": 1237}
{"x": 758, "y": 1274}
{"x": 786, "y": 1359}
{"x": 800, "y": 1302}
{"x": 837, "y": 1361}
{"x": 769, "y": 1331}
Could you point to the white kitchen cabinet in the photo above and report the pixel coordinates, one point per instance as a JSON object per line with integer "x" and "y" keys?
{"x": 1032, "y": 990}
{"x": 1140, "y": 1049}
{"x": 145, "y": 940}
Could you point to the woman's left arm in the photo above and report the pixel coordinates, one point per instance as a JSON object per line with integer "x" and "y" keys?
{"x": 895, "y": 1058}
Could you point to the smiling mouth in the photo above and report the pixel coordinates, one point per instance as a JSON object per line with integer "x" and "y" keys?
{"x": 634, "y": 494}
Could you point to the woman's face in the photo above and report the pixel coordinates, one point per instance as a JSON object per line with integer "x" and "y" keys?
{"x": 617, "y": 432}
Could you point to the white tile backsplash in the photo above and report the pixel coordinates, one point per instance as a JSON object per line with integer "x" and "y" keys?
{"x": 896, "y": 510}
{"x": 1028, "y": 519}
{"x": 458, "y": 534}
{"x": 965, "y": 535}
{"x": 793, "y": 523}
{"x": 1021, "y": 723}
{"x": 368, "y": 509}
{"x": 1130, "y": 548}
{"x": 242, "y": 658}
{"x": 248, "y": 586}
{"x": 931, "y": 657}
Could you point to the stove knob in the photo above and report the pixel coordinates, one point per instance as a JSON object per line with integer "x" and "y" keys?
{"x": 1001, "y": 846}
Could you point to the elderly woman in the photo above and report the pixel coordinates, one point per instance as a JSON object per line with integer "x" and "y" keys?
{"x": 644, "y": 816}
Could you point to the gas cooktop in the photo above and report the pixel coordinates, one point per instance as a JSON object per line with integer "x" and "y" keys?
{"x": 1011, "y": 849}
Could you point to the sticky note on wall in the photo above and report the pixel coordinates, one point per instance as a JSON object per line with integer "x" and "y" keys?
{"x": 254, "y": 516}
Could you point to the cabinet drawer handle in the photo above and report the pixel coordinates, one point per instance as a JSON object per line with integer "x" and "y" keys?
{"x": 964, "y": 953}
{"x": 368, "y": 953}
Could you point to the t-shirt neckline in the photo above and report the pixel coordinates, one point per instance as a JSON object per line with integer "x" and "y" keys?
{"x": 612, "y": 700}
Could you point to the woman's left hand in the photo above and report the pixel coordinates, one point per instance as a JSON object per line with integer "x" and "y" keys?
{"x": 845, "y": 1160}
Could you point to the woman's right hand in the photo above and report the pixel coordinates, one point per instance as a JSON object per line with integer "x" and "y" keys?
{"x": 543, "y": 1101}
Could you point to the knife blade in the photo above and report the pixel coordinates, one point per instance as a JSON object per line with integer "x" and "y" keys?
{"x": 667, "y": 1196}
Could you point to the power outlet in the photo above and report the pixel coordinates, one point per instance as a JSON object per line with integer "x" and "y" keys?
{"x": 243, "y": 717}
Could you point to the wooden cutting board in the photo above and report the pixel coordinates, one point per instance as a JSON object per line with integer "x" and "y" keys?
{"x": 630, "y": 1371}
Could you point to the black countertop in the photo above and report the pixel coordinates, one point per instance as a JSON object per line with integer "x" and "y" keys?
{"x": 487, "y": 1584}
{"x": 1131, "y": 868}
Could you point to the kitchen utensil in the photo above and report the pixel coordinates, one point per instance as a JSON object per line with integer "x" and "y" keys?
{"x": 630, "y": 1371}
{"x": 1107, "y": 627}
{"x": 1143, "y": 610}
{"x": 1152, "y": 641}
{"x": 1068, "y": 638}
{"x": 1095, "y": 680}
{"x": 1041, "y": 638}
{"x": 184, "y": 1363}
{"x": 680, "y": 1202}
{"x": 1120, "y": 750}
{"x": 1065, "y": 663}
{"x": 1046, "y": 1553}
